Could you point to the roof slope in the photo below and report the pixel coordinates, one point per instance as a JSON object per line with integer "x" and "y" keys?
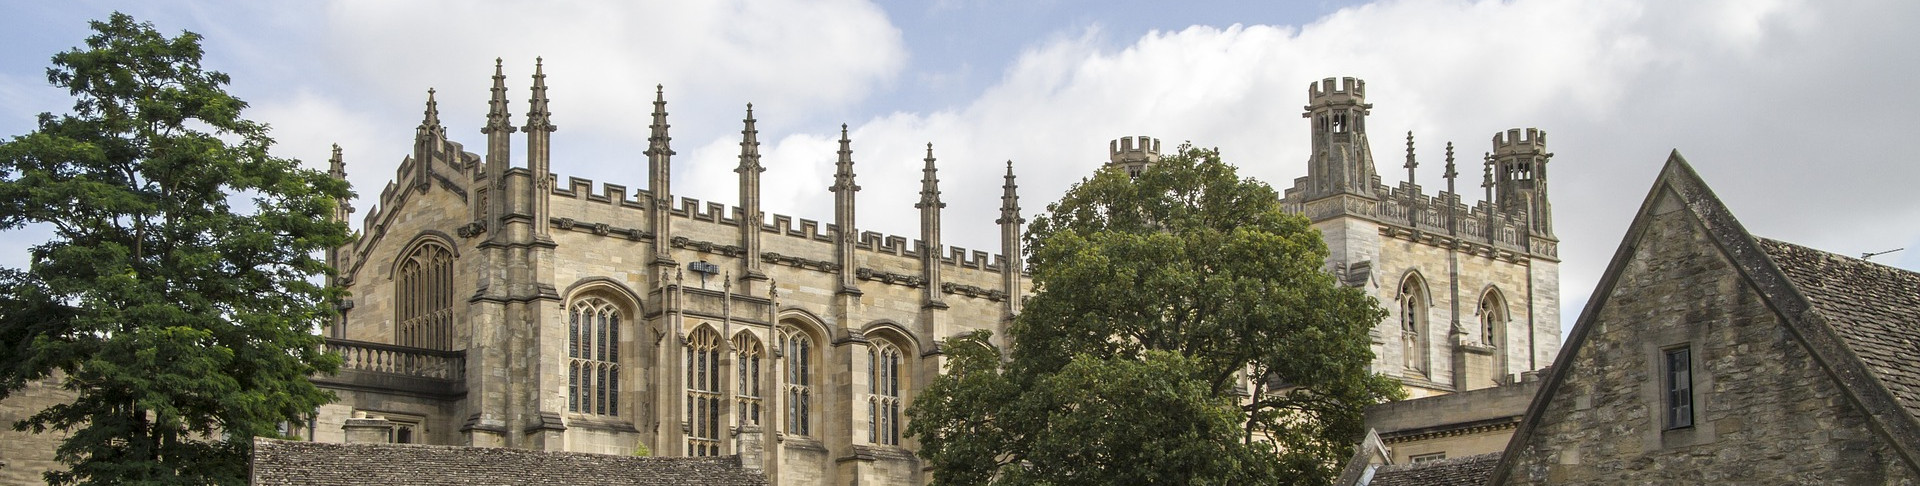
{"x": 279, "y": 462}
{"x": 1444, "y": 472}
{"x": 1874, "y": 308}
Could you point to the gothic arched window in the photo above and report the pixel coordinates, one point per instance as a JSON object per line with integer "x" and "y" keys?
{"x": 1493, "y": 319}
{"x": 593, "y": 357}
{"x": 423, "y": 298}
{"x": 883, "y": 401}
{"x": 746, "y": 388}
{"x": 1413, "y": 324}
{"x": 703, "y": 393}
{"x": 797, "y": 348}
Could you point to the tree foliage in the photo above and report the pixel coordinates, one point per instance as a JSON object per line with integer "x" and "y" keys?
{"x": 1181, "y": 332}
{"x": 183, "y": 325}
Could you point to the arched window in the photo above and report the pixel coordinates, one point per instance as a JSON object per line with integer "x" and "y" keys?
{"x": 703, "y": 393}
{"x": 883, "y": 401}
{"x": 1413, "y": 324}
{"x": 423, "y": 298}
{"x": 593, "y": 357}
{"x": 797, "y": 347}
{"x": 746, "y": 388}
{"x": 1493, "y": 319}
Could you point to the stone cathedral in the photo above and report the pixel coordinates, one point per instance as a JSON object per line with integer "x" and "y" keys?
{"x": 494, "y": 304}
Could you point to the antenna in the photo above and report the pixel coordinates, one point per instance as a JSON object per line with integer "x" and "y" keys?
{"x": 1871, "y": 254}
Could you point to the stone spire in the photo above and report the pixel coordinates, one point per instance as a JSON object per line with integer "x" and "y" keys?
{"x": 337, "y": 256}
{"x": 539, "y": 132}
{"x": 337, "y": 168}
{"x": 490, "y": 203}
{"x": 427, "y": 141}
{"x": 750, "y": 218}
{"x": 1411, "y": 163}
{"x": 845, "y": 232}
{"x": 1450, "y": 173}
{"x": 431, "y": 123}
{"x": 930, "y": 248}
{"x": 497, "y": 105}
{"x": 660, "y": 179}
{"x": 1010, "y": 222}
{"x": 1486, "y": 181}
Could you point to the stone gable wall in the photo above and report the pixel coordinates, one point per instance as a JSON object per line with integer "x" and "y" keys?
{"x": 1765, "y": 412}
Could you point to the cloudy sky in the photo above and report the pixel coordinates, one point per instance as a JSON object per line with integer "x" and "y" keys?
{"x": 1796, "y": 112}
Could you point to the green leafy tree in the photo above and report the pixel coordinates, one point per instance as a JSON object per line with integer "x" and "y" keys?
{"x": 1181, "y": 332}
{"x": 183, "y": 325}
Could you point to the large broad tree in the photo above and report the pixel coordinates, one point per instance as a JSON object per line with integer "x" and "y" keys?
{"x": 1182, "y": 331}
{"x": 182, "y": 323}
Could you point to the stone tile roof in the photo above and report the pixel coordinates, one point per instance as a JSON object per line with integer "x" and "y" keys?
{"x": 279, "y": 462}
{"x": 1445, "y": 472}
{"x": 1874, "y": 308}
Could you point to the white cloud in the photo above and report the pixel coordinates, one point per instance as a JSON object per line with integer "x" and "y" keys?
{"x": 1786, "y": 109}
{"x": 604, "y": 58}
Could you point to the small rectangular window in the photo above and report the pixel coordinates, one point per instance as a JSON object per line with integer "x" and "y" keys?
{"x": 1416, "y": 459}
{"x": 1679, "y": 378}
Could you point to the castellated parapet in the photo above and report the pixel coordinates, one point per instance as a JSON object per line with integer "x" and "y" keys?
{"x": 1347, "y": 91}
{"x": 1516, "y": 141}
{"x": 1133, "y": 153}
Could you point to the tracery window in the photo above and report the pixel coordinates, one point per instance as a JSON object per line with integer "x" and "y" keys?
{"x": 798, "y": 387}
{"x": 423, "y": 298}
{"x": 703, "y": 393}
{"x": 593, "y": 357}
{"x": 1413, "y": 324}
{"x": 746, "y": 388}
{"x": 883, "y": 401}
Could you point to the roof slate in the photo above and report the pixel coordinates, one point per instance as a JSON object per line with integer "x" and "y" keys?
{"x": 1874, "y": 308}
{"x": 1445, "y": 472}
{"x": 279, "y": 462}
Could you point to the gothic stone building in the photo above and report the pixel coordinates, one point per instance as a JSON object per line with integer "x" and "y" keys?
{"x": 494, "y": 304}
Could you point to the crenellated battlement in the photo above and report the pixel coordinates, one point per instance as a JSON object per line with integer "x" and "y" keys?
{"x": 693, "y": 209}
{"x": 1517, "y": 140}
{"x": 1348, "y": 89}
{"x": 1134, "y": 150}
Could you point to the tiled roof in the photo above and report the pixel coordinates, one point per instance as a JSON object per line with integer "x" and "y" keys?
{"x": 279, "y": 462}
{"x": 1874, "y": 308}
{"x": 1445, "y": 472}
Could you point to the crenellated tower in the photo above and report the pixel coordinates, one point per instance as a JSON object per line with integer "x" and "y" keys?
{"x": 1133, "y": 153}
{"x": 1520, "y": 177}
{"x": 1341, "y": 162}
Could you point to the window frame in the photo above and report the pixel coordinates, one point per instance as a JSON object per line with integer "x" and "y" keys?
{"x": 1677, "y": 387}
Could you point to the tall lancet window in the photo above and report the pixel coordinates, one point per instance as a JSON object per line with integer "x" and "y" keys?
{"x": 703, "y": 393}
{"x": 1413, "y": 324}
{"x": 797, "y": 348}
{"x": 593, "y": 357}
{"x": 883, "y": 402}
{"x": 423, "y": 298}
{"x": 746, "y": 386}
{"x": 1493, "y": 319}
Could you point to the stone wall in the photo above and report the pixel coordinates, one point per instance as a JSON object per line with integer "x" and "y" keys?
{"x": 1765, "y": 412}
{"x": 25, "y": 457}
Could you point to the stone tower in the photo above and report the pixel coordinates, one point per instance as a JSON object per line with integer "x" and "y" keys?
{"x": 1133, "y": 153}
{"x": 1341, "y": 162}
{"x": 1520, "y": 177}
{"x": 1472, "y": 291}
